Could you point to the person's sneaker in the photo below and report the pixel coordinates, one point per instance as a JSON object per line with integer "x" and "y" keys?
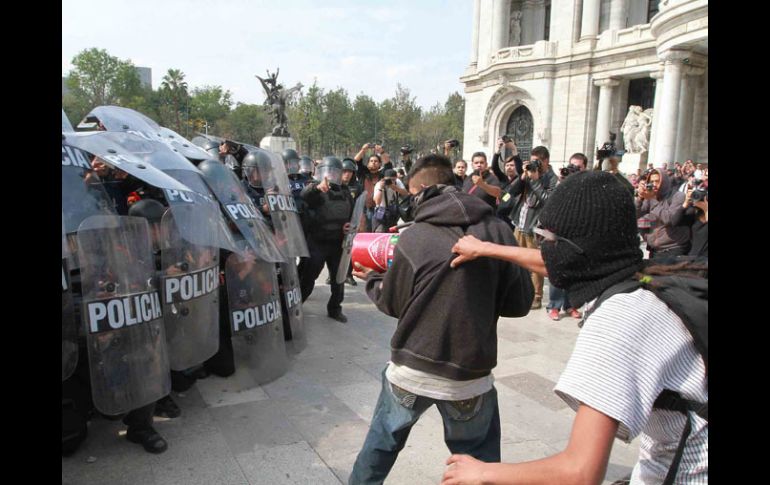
{"x": 150, "y": 440}
{"x": 339, "y": 317}
{"x": 553, "y": 314}
{"x": 328, "y": 280}
{"x": 537, "y": 304}
{"x": 574, "y": 313}
{"x": 351, "y": 281}
{"x": 166, "y": 407}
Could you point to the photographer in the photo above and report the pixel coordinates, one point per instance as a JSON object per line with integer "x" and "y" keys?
{"x": 523, "y": 202}
{"x": 406, "y": 158}
{"x": 663, "y": 207}
{"x": 482, "y": 182}
{"x": 696, "y": 217}
{"x": 369, "y": 175}
{"x": 506, "y": 151}
{"x": 450, "y": 145}
{"x": 386, "y": 193}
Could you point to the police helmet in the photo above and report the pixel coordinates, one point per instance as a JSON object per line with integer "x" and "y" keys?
{"x": 349, "y": 164}
{"x": 291, "y": 160}
{"x": 150, "y": 209}
{"x": 329, "y": 168}
{"x": 257, "y": 160}
{"x": 306, "y": 165}
{"x": 210, "y": 146}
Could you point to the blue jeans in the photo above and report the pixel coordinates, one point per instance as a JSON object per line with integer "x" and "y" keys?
{"x": 471, "y": 427}
{"x": 557, "y": 298}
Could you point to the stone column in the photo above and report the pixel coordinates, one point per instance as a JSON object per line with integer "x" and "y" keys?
{"x": 475, "y": 36}
{"x": 500, "y": 22}
{"x": 618, "y": 14}
{"x": 547, "y": 113}
{"x": 684, "y": 126}
{"x": 657, "y": 103}
{"x": 665, "y": 143}
{"x": 604, "y": 113}
{"x": 589, "y": 26}
{"x": 537, "y": 22}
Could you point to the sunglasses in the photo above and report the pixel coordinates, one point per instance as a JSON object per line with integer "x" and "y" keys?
{"x": 546, "y": 235}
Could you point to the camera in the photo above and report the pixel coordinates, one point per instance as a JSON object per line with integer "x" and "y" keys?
{"x": 476, "y": 173}
{"x": 696, "y": 182}
{"x": 568, "y": 170}
{"x": 698, "y": 194}
{"x": 506, "y": 139}
{"x": 453, "y": 143}
{"x": 370, "y": 145}
{"x": 649, "y": 187}
{"x": 532, "y": 166}
{"x": 406, "y": 150}
{"x": 388, "y": 182}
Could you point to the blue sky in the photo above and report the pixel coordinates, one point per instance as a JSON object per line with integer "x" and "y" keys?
{"x": 363, "y": 46}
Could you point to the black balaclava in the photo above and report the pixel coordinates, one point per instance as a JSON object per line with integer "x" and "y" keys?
{"x": 594, "y": 210}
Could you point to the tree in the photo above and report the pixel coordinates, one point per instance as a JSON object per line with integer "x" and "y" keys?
{"x": 306, "y": 121}
{"x": 175, "y": 89}
{"x": 99, "y": 79}
{"x": 363, "y": 120}
{"x": 336, "y": 122}
{"x": 209, "y": 104}
{"x": 400, "y": 116}
{"x": 247, "y": 123}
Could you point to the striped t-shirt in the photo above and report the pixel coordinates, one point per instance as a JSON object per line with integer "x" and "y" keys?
{"x": 630, "y": 349}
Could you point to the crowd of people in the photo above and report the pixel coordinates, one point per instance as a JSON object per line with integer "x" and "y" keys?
{"x": 497, "y": 230}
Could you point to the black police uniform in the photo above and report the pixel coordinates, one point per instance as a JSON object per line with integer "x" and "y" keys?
{"x": 332, "y": 211}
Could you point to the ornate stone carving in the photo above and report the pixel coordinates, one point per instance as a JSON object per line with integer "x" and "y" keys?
{"x": 636, "y": 129}
{"x": 515, "y": 28}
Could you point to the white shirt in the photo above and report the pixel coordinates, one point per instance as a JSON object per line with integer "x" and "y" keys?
{"x": 437, "y": 387}
{"x": 629, "y": 350}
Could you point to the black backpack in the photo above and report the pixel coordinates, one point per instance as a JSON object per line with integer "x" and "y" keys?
{"x": 687, "y": 297}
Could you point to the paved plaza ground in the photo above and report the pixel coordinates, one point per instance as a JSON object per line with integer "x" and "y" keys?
{"x": 307, "y": 426}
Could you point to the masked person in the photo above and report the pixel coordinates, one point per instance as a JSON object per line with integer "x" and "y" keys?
{"x": 332, "y": 206}
{"x": 639, "y": 345}
{"x": 445, "y": 344}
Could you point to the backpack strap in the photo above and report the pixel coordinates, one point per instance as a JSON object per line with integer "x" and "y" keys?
{"x": 625, "y": 286}
{"x": 671, "y": 475}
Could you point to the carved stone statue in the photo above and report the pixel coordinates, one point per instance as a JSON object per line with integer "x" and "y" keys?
{"x": 636, "y": 129}
{"x": 277, "y": 99}
{"x": 515, "y": 29}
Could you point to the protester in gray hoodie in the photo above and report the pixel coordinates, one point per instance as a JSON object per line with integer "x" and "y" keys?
{"x": 663, "y": 206}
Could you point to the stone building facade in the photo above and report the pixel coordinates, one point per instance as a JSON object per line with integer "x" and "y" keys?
{"x": 563, "y": 73}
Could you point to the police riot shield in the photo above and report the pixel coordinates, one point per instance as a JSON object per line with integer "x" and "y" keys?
{"x": 291, "y": 299}
{"x": 256, "y": 236}
{"x": 122, "y": 314}
{"x": 189, "y": 287}
{"x": 347, "y": 243}
{"x": 65, "y": 123}
{"x": 182, "y": 145}
{"x": 69, "y": 331}
{"x": 256, "y": 324}
{"x": 124, "y": 151}
{"x": 283, "y": 210}
{"x": 116, "y": 118}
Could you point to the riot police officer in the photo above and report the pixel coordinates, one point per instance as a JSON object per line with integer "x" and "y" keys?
{"x": 333, "y": 207}
{"x": 252, "y": 180}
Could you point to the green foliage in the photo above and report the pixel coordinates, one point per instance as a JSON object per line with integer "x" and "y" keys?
{"x": 322, "y": 122}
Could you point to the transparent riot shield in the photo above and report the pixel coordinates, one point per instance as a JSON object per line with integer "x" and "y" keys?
{"x": 283, "y": 209}
{"x": 347, "y": 243}
{"x": 189, "y": 288}
{"x": 256, "y": 323}
{"x": 124, "y": 151}
{"x": 69, "y": 331}
{"x": 65, "y": 122}
{"x": 117, "y": 118}
{"x": 182, "y": 145}
{"x": 255, "y": 234}
{"x": 122, "y": 314}
{"x": 291, "y": 299}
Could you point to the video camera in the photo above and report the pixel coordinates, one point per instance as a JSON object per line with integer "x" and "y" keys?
{"x": 406, "y": 150}
{"x": 453, "y": 143}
